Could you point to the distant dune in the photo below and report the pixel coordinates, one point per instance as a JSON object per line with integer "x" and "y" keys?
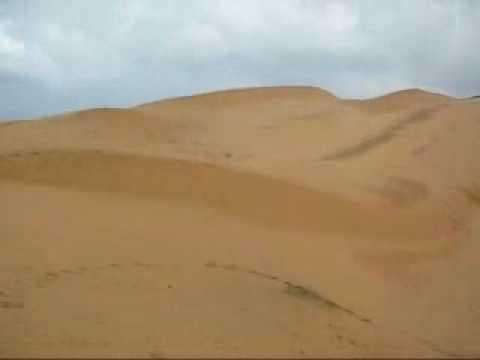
{"x": 262, "y": 222}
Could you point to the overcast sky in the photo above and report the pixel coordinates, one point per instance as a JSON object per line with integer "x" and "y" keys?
{"x": 62, "y": 55}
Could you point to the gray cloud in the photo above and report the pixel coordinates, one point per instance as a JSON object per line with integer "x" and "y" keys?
{"x": 59, "y": 55}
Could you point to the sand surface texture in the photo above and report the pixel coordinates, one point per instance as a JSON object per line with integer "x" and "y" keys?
{"x": 279, "y": 222}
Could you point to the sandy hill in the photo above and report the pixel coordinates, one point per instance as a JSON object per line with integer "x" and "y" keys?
{"x": 245, "y": 223}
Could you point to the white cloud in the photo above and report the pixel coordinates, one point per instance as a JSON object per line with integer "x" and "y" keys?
{"x": 11, "y": 50}
{"x": 10, "y": 46}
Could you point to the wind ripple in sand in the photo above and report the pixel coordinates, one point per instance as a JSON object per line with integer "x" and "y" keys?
{"x": 292, "y": 289}
{"x": 383, "y": 137}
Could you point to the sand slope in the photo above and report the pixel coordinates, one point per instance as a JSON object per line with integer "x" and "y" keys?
{"x": 257, "y": 222}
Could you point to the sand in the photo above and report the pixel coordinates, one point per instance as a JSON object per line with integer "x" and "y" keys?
{"x": 265, "y": 222}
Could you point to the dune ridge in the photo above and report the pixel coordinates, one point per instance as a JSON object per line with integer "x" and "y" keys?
{"x": 203, "y": 184}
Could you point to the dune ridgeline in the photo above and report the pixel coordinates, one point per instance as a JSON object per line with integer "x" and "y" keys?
{"x": 264, "y": 222}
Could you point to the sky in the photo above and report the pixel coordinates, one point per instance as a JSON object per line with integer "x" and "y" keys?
{"x": 64, "y": 55}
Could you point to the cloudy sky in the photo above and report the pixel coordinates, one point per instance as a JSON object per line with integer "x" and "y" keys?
{"x": 63, "y": 55}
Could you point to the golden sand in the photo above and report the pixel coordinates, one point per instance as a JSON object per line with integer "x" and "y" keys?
{"x": 266, "y": 222}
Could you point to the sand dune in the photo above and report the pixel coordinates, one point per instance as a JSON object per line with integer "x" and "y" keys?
{"x": 278, "y": 222}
